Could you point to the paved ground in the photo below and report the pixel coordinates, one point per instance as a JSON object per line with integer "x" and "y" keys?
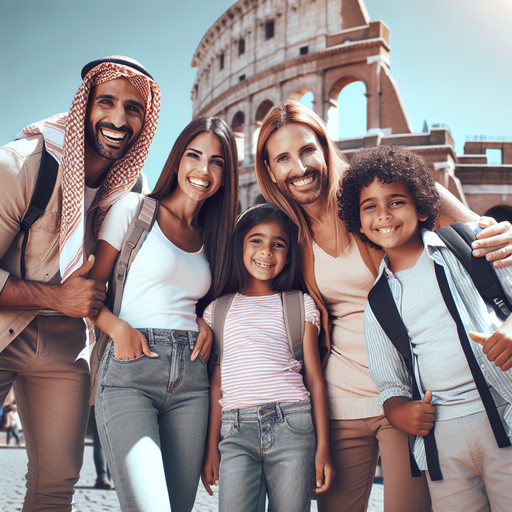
{"x": 87, "y": 499}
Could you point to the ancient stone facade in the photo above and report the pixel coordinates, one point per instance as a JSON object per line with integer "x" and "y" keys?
{"x": 262, "y": 52}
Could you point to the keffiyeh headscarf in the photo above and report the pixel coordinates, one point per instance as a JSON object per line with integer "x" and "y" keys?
{"x": 64, "y": 136}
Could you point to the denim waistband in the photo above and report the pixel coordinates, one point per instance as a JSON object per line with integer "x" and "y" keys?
{"x": 169, "y": 336}
{"x": 266, "y": 411}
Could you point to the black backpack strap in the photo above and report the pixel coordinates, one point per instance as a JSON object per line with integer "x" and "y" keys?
{"x": 458, "y": 238}
{"x": 384, "y": 308}
{"x": 294, "y": 320}
{"x": 43, "y": 190}
{"x": 220, "y": 310}
{"x": 481, "y": 384}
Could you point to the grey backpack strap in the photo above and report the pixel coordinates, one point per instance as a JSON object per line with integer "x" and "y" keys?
{"x": 133, "y": 240}
{"x": 294, "y": 320}
{"x": 220, "y": 310}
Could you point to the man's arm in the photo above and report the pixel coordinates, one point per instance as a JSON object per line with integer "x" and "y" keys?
{"x": 77, "y": 297}
{"x": 495, "y": 236}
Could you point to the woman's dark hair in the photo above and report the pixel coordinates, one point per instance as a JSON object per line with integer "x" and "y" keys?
{"x": 218, "y": 213}
{"x": 290, "y": 277}
{"x": 389, "y": 164}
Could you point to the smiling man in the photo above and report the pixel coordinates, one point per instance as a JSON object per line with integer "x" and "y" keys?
{"x": 99, "y": 148}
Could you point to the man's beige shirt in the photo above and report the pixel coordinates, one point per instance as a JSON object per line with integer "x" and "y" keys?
{"x": 19, "y": 170}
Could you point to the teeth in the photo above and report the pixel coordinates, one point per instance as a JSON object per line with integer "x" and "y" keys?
{"x": 263, "y": 265}
{"x": 305, "y": 181}
{"x": 385, "y": 231}
{"x": 113, "y": 136}
{"x": 199, "y": 183}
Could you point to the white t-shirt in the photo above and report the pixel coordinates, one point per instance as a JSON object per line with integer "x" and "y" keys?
{"x": 164, "y": 283}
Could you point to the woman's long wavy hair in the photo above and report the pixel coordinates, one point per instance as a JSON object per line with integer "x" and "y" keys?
{"x": 218, "y": 214}
{"x": 294, "y": 112}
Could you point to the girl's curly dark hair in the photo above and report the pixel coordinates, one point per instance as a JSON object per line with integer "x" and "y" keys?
{"x": 389, "y": 164}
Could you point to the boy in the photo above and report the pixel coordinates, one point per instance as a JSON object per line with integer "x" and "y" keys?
{"x": 388, "y": 196}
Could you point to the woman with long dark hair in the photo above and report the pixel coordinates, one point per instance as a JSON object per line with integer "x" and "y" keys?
{"x": 152, "y": 394}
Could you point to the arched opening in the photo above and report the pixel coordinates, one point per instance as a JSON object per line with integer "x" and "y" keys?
{"x": 352, "y": 110}
{"x": 238, "y": 130}
{"x": 307, "y": 100}
{"x": 346, "y": 115}
{"x": 264, "y": 108}
{"x": 500, "y": 213}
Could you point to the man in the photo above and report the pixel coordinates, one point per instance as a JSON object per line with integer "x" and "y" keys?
{"x": 299, "y": 169}
{"x": 100, "y": 145}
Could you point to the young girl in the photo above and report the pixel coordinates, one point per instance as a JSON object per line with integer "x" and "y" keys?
{"x": 152, "y": 394}
{"x": 260, "y": 409}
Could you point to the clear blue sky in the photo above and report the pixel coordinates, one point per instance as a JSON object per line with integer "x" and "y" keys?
{"x": 450, "y": 58}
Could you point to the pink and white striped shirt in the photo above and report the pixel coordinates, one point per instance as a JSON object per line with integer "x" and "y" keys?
{"x": 257, "y": 365}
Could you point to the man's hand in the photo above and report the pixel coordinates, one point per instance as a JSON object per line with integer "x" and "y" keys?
{"x": 204, "y": 341}
{"x": 494, "y": 242}
{"x": 79, "y": 297}
{"x": 497, "y": 346}
{"x": 415, "y": 417}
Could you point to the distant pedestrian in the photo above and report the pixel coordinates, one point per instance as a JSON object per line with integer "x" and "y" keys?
{"x": 13, "y": 424}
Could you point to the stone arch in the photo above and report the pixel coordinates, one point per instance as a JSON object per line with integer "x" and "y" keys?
{"x": 237, "y": 125}
{"x": 263, "y": 109}
{"x": 500, "y": 213}
{"x": 332, "y": 114}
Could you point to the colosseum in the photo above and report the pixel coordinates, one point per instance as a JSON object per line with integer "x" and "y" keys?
{"x": 262, "y": 52}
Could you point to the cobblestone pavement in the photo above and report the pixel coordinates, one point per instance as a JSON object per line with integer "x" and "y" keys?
{"x": 87, "y": 499}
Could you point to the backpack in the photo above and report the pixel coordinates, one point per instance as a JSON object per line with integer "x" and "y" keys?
{"x": 132, "y": 242}
{"x": 458, "y": 238}
{"x": 294, "y": 318}
{"x": 46, "y": 178}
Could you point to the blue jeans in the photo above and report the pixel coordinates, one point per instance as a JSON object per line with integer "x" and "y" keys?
{"x": 152, "y": 415}
{"x": 270, "y": 446}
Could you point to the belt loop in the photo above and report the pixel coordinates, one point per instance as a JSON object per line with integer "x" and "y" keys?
{"x": 237, "y": 418}
{"x": 151, "y": 338}
{"x": 191, "y": 340}
{"x": 279, "y": 413}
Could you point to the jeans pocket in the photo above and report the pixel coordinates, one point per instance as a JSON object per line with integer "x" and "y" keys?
{"x": 299, "y": 423}
{"x": 127, "y": 361}
{"x": 202, "y": 361}
{"x": 226, "y": 430}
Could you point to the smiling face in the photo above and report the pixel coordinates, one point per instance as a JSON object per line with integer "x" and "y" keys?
{"x": 265, "y": 253}
{"x": 296, "y": 163}
{"x": 389, "y": 218}
{"x": 201, "y": 169}
{"x": 114, "y": 119}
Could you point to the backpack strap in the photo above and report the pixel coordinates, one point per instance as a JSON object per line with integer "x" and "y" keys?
{"x": 134, "y": 238}
{"x": 384, "y": 308}
{"x": 458, "y": 238}
{"x": 220, "y": 310}
{"x": 294, "y": 321}
{"x": 43, "y": 190}
{"x": 481, "y": 384}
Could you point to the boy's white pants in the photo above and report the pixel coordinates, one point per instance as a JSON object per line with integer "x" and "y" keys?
{"x": 477, "y": 475}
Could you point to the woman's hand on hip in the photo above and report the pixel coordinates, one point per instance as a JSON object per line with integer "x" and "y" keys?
{"x": 129, "y": 343}
{"x": 204, "y": 341}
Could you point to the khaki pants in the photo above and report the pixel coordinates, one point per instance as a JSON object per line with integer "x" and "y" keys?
{"x": 355, "y": 446}
{"x": 52, "y": 391}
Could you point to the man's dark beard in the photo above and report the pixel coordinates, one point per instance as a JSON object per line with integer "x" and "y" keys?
{"x": 92, "y": 137}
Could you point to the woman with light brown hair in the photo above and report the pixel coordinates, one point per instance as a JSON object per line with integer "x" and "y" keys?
{"x": 300, "y": 169}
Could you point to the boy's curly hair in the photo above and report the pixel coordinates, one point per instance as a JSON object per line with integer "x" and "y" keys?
{"x": 389, "y": 164}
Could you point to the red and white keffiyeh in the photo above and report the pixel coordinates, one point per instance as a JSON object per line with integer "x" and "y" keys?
{"x": 64, "y": 136}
